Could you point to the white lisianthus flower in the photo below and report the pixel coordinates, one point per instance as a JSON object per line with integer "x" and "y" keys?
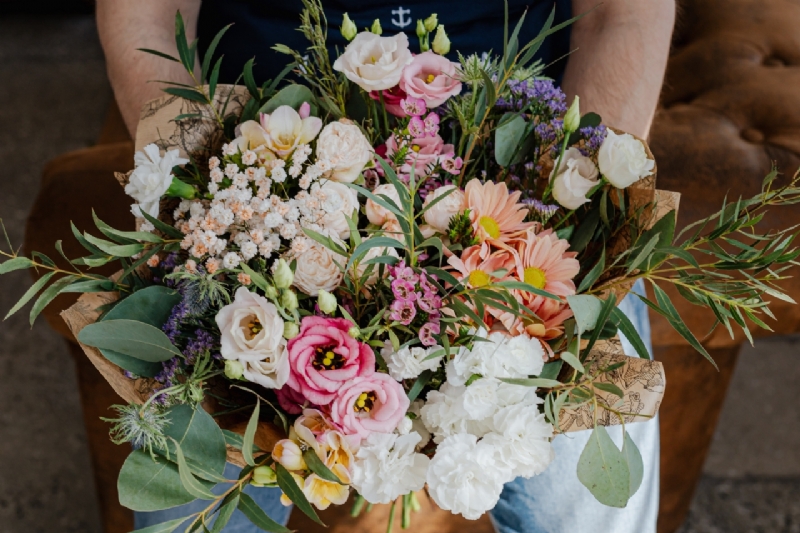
{"x": 409, "y": 363}
{"x": 339, "y": 202}
{"x": 623, "y": 160}
{"x": 151, "y": 178}
{"x": 464, "y": 477}
{"x": 344, "y": 147}
{"x": 387, "y": 467}
{"x": 317, "y": 269}
{"x": 280, "y": 132}
{"x": 577, "y": 175}
{"x": 501, "y": 357}
{"x": 438, "y": 217}
{"x": 522, "y": 438}
{"x": 252, "y": 333}
{"x": 374, "y": 63}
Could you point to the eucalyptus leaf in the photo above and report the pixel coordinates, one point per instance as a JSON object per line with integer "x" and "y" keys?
{"x": 148, "y": 485}
{"x": 603, "y": 469}
{"x": 200, "y": 439}
{"x": 165, "y": 527}
{"x": 250, "y": 435}
{"x": 226, "y": 510}
{"x": 586, "y": 309}
{"x": 572, "y": 360}
{"x": 635, "y": 462}
{"x": 30, "y": 293}
{"x": 532, "y": 382}
{"x": 130, "y": 337}
{"x": 190, "y": 483}
{"x": 292, "y": 95}
{"x": 507, "y": 138}
{"x": 318, "y": 467}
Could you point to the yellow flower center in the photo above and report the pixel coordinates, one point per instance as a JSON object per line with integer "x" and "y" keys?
{"x": 490, "y": 226}
{"x": 430, "y": 78}
{"x": 327, "y": 359}
{"x": 415, "y": 147}
{"x": 365, "y": 402}
{"x": 253, "y": 328}
{"x": 535, "y": 276}
{"x": 479, "y": 278}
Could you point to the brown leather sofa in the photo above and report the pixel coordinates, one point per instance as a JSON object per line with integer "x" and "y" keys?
{"x": 730, "y": 107}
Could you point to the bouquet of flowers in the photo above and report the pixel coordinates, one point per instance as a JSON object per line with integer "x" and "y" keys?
{"x": 397, "y": 271}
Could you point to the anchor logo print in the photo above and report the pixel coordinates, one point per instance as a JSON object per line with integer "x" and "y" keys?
{"x": 401, "y": 21}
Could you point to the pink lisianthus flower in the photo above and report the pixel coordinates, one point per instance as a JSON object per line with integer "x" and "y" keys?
{"x": 324, "y": 356}
{"x": 423, "y": 155}
{"x": 376, "y": 403}
{"x": 432, "y": 78}
{"x": 392, "y": 100}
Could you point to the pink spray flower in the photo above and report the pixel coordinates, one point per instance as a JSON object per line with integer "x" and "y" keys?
{"x": 413, "y": 107}
{"x": 324, "y": 356}
{"x": 432, "y": 78}
{"x": 376, "y": 403}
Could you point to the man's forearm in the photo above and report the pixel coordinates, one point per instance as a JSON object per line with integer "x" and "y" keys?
{"x": 126, "y": 25}
{"x": 620, "y": 54}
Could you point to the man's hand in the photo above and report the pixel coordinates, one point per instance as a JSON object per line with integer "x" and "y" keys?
{"x": 126, "y": 25}
{"x": 620, "y": 54}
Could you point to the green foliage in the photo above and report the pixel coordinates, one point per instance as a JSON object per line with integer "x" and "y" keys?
{"x": 293, "y": 491}
{"x": 257, "y": 516}
{"x": 604, "y": 470}
{"x": 146, "y": 484}
{"x": 130, "y": 337}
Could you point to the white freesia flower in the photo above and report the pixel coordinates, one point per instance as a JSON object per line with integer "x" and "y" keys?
{"x": 387, "y": 467}
{"x": 374, "y": 63}
{"x": 577, "y": 174}
{"x": 500, "y": 356}
{"x": 281, "y": 132}
{"x": 338, "y": 201}
{"x": 344, "y": 147}
{"x": 151, "y": 178}
{"x": 623, "y": 160}
{"x": 522, "y": 439}
{"x": 252, "y": 333}
{"x": 465, "y": 477}
{"x": 438, "y": 216}
{"x": 317, "y": 269}
{"x": 410, "y": 362}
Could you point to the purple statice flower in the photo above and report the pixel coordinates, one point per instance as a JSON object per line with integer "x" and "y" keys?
{"x": 176, "y": 317}
{"x": 549, "y": 96}
{"x": 593, "y": 138}
{"x": 543, "y": 212}
{"x": 549, "y": 132}
{"x": 403, "y": 311}
{"x": 427, "y": 331}
{"x": 202, "y": 342}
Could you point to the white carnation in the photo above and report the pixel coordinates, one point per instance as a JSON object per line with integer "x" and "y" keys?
{"x": 522, "y": 439}
{"x": 409, "y": 363}
{"x": 387, "y": 467}
{"x": 623, "y": 160}
{"x": 500, "y": 356}
{"x": 151, "y": 178}
{"x": 444, "y": 414}
{"x": 465, "y": 477}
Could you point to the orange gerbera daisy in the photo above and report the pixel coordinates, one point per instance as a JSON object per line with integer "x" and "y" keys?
{"x": 495, "y": 213}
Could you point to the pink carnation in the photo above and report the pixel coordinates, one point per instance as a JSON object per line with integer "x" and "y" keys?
{"x": 376, "y": 403}
{"x": 323, "y": 357}
{"x": 432, "y": 78}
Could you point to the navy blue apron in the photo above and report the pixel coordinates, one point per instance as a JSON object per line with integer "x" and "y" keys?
{"x": 473, "y": 26}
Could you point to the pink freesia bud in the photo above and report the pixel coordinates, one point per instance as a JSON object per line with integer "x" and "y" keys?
{"x": 305, "y": 110}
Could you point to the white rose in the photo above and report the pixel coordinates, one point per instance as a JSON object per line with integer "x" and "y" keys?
{"x": 338, "y": 203}
{"x": 464, "y": 477}
{"x": 409, "y": 363}
{"x": 374, "y": 63}
{"x": 522, "y": 437}
{"x": 438, "y": 216}
{"x": 346, "y": 149}
{"x": 576, "y": 177}
{"x": 151, "y": 178}
{"x": 623, "y": 160}
{"x": 387, "y": 467}
{"x": 317, "y": 269}
{"x": 252, "y": 333}
{"x": 376, "y": 213}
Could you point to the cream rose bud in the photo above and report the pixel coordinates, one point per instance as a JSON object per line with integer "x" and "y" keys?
{"x": 151, "y": 178}
{"x": 576, "y": 177}
{"x": 317, "y": 269}
{"x": 346, "y": 149}
{"x": 623, "y": 160}
{"x": 438, "y": 217}
{"x": 376, "y": 213}
{"x": 374, "y": 63}
{"x": 252, "y": 333}
{"x": 338, "y": 201}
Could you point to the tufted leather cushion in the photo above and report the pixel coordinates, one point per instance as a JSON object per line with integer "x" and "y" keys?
{"x": 730, "y": 107}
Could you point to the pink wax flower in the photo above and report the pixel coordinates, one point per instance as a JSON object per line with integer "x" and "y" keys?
{"x": 392, "y": 100}
{"x": 427, "y": 331}
{"x": 376, "y": 403}
{"x": 323, "y": 356}
{"x": 416, "y": 127}
{"x": 432, "y": 78}
{"x": 432, "y": 124}
{"x": 403, "y": 311}
{"x": 413, "y": 107}
{"x": 424, "y": 154}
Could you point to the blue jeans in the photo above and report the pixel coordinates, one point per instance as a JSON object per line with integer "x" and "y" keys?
{"x": 552, "y": 502}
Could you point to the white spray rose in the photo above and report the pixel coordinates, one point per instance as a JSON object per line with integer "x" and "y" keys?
{"x": 376, "y": 213}
{"x": 577, "y": 175}
{"x": 623, "y": 160}
{"x": 464, "y": 477}
{"x": 338, "y": 203}
{"x": 252, "y": 333}
{"x": 409, "y": 363}
{"x": 317, "y": 269}
{"x": 387, "y": 467}
{"x": 438, "y": 216}
{"x": 374, "y": 63}
{"x": 345, "y": 148}
{"x": 151, "y": 178}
